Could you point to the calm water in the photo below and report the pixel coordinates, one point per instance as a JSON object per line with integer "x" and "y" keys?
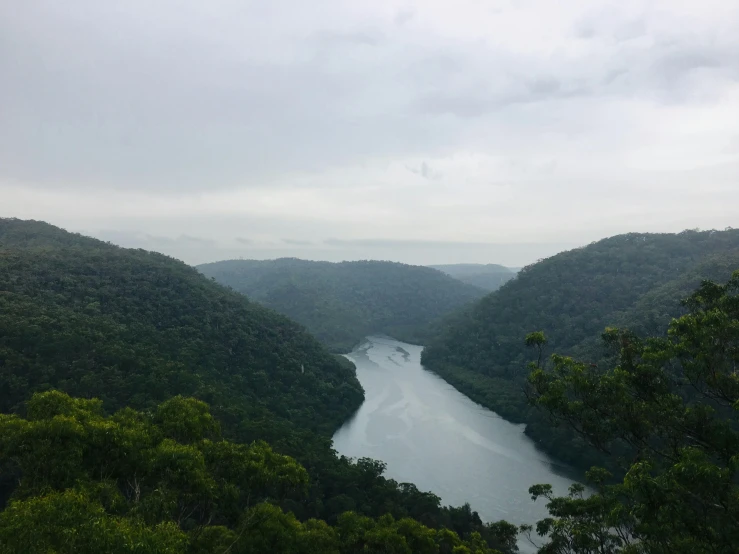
{"x": 430, "y": 434}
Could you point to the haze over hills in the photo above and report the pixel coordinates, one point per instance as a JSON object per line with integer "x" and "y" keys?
{"x": 341, "y": 303}
{"x": 488, "y": 277}
{"x": 633, "y": 280}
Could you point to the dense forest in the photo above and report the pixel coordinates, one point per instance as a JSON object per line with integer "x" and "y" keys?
{"x": 141, "y": 473}
{"x": 488, "y": 277}
{"x": 165, "y": 482}
{"x": 672, "y": 403}
{"x": 633, "y": 280}
{"x": 145, "y": 408}
{"x": 341, "y": 303}
{"x": 134, "y": 329}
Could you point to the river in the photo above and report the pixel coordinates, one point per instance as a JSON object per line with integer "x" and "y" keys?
{"x": 430, "y": 434}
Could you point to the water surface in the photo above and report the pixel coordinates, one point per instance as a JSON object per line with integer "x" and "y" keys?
{"x": 431, "y": 435}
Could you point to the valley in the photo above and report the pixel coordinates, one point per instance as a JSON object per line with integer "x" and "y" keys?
{"x": 396, "y": 277}
{"x": 234, "y": 417}
{"x": 429, "y": 433}
{"x": 341, "y": 303}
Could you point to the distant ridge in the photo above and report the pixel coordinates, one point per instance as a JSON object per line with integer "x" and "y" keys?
{"x": 341, "y": 303}
{"x": 488, "y": 277}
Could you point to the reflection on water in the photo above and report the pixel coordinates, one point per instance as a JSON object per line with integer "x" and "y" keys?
{"x": 430, "y": 434}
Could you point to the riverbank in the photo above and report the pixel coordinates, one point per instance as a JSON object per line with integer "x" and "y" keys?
{"x": 431, "y": 434}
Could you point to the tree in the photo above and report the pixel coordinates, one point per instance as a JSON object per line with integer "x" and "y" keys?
{"x": 136, "y": 328}
{"x": 163, "y": 482}
{"x": 70, "y": 522}
{"x": 672, "y": 404}
{"x": 632, "y": 281}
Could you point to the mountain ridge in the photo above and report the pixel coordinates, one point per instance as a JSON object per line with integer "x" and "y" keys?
{"x": 341, "y": 303}
{"x": 572, "y": 297}
{"x": 134, "y": 328}
{"x": 489, "y": 277}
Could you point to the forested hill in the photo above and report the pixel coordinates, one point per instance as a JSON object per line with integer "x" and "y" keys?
{"x": 488, "y": 277}
{"x": 340, "y": 303}
{"x": 631, "y": 280}
{"x": 136, "y": 328}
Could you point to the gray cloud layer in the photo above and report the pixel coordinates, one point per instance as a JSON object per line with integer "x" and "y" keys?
{"x": 472, "y": 122}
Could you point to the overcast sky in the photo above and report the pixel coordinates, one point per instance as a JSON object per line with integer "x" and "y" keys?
{"x": 424, "y": 131}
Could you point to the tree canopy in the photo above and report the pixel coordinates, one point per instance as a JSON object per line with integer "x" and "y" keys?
{"x": 341, "y": 303}
{"x": 164, "y": 481}
{"x": 136, "y": 328}
{"x": 146, "y": 408}
{"x": 633, "y": 280}
{"x": 674, "y": 402}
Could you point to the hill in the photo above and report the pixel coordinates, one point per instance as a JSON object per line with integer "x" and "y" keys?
{"x": 629, "y": 280}
{"x": 135, "y": 328}
{"x": 341, "y": 303}
{"x": 488, "y": 277}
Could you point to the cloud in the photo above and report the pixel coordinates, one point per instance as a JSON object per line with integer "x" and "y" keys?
{"x": 232, "y": 95}
{"x": 606, "y": 21}
{"x": 399, "y": 243}
{"x": 404, "y": 16}
{"x": 332, "y": 39}
{"x": 197, "y": 240}
{"x": 297, "y": 242}
{"x": 425, "y": 171}
{"x": 152, "y": 242}
{"x": 492, "y": 121}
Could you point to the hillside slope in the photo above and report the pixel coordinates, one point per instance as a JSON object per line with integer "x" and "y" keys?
{"x": 341, "y": 303}
{"x": 488, "y": 277}
{"x": 135, "y": 328}
{"x": 629, "y": 280}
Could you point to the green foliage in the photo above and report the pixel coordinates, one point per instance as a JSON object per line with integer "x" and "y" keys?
{"x": 341, "y": 303}
{"x": 674, "y": 402}
{"x": 136, "y": 329}
{"x": 69, "y": 522}
{"x": 488, "y": 277}
{"x": 633, "y": 280}
{"x": 56, "y": 403}
{"x": 92, "y": 483}
{"x": 186, "y": 420}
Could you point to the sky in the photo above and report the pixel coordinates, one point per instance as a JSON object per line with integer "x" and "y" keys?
{"x": 421, "y": 131}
